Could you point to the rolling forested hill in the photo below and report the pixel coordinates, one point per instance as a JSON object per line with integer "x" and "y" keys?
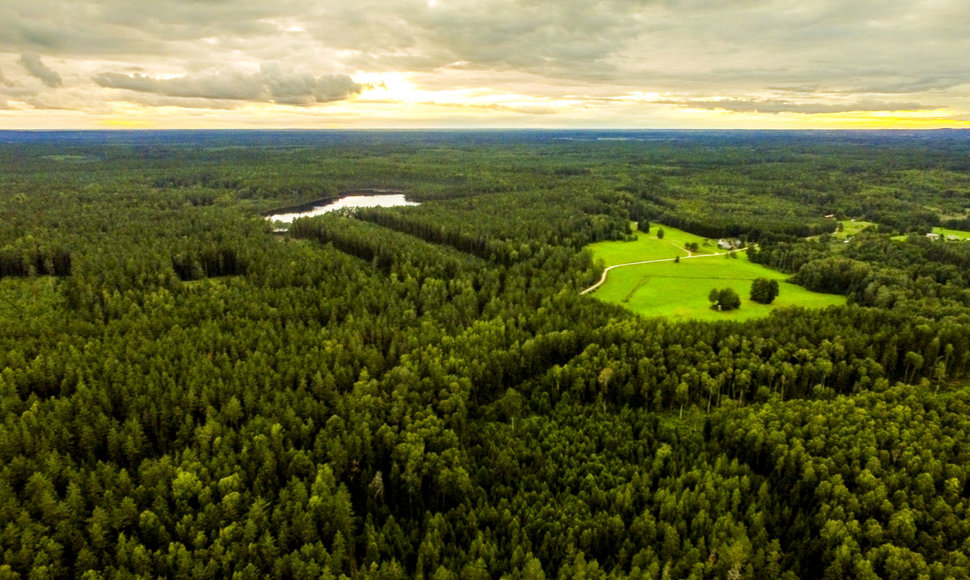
{"x": 423, "y": 392}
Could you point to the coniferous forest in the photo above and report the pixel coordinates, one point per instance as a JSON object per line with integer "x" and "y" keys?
{"x": 422, "y": 392}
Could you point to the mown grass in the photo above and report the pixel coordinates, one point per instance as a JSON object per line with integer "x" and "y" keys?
{"x": 961, "y": 234}
{"x": 649, "y": 247}
{"x": 852, "y": 228}
{"x": 679, "y": 290}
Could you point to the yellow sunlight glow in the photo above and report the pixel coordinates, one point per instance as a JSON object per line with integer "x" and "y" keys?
{"x": 942, "y": 118}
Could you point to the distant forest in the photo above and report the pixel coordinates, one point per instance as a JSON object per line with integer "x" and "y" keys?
{"x": 422, "y": 392}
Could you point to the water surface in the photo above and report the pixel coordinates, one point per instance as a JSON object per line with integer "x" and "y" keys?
{"x": 351, "y": 201}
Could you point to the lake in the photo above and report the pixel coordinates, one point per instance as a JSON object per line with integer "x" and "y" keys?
{"x": 351, "y": 201}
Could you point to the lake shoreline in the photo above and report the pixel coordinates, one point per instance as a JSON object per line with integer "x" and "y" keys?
{"x": 303, "y": 207}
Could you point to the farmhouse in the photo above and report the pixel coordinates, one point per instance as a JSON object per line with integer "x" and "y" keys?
{"x": 732, "y": 244}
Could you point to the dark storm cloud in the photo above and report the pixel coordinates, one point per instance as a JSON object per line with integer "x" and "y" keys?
{"x": 269, "y": 84}
{"x": 37, "y": 68}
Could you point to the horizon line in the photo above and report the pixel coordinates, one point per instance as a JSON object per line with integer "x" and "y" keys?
{"x": 486, "y": 129}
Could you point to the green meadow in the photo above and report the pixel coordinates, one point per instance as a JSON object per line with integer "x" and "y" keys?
{"x": 649, "y": 247}
{"x": 679, "y": 290}
{"x": 960, "y": 234}
{"x": 852, "y": 227}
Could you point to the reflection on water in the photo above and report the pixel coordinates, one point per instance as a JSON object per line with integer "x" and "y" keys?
{"x": 390, "y": 200}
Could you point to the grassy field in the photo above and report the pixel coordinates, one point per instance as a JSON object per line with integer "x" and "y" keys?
{"x": 959, "y": 234}
{"x": 963, "y": 235}
{"x": 679, "y": 290}
{"x": 649, "y": 247}
{"x": 852, "y": 227}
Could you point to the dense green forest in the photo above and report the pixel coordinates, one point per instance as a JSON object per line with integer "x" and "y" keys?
{"x": 422, "y": 392}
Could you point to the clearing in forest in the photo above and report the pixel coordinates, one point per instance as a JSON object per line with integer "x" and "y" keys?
{"x": 943, "y": 233}
{"x": 853, "y": 227}
{"x": 679, "y": 290}
{"x": 961, "y": 235}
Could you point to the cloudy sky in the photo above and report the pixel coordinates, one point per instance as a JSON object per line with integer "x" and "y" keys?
{"x": 484, "y": 63}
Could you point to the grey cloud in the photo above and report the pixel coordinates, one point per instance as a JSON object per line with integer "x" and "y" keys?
{"x": 805, "y": 51}
{"x": 776, "y": 106}
{"x": 37, "y": 68}
{"x": 517, "y": 109}
{"x": 911, "y": 85}
{"x": 544, "y": 35}
{"x": 97, "y": 27}
{"x": 609, "y": 40}
{"x": 156, "y": 100}
{"x": 10, "y": 89}
{"x": 663, "y": 45}
{"x": 803, "y": 89}
{"x": 562, "y": 38}
{"x": 269, "y": 84}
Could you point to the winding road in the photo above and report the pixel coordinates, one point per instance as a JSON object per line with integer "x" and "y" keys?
{"x": 687, "y": 257}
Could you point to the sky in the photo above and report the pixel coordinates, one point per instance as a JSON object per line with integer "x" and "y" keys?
{"x": 317, "y": 64}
